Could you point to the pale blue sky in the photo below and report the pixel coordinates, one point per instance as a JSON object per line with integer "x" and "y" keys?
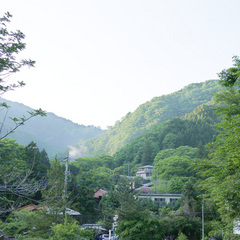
{"x": 98, "y": 60}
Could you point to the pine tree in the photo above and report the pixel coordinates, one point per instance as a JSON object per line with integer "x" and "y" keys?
{"x": 53, "y": 195}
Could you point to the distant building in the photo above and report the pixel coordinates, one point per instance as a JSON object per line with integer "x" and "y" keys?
{"x": 236, "y": 226}
{"x": 33, "y": 207}
{"x": 145, "y": 171}
{"x": 99, "y": 193}
{"x": 71, "y": 212}
{"x": 93, "y": 226}
{"x": 162, "y": 199}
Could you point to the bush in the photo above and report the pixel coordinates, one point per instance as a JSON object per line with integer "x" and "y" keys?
{"x": 181, "y": 236}
{"x": 70, "y": 231}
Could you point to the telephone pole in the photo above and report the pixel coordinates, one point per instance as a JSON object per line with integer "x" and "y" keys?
{"x": 65, "y": 185}
{"x": 203, "y": 219}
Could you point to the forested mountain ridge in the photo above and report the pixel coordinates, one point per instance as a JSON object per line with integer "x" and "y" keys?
{"x": 193, "y": 130}
{"x": 52, "y": 133}
{"x": 149, "y": 114}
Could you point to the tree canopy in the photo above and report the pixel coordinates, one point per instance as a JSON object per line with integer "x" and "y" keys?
{"x": 221, "y": 169}
{"x": 11, "y": 44}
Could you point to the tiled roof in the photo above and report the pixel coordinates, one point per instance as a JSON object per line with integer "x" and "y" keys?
{"x": 99, "y": 193}
{"x": 31, "y": 207}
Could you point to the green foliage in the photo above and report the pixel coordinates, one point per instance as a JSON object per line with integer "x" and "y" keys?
{"x": 37, "y": 160}
{"x": 52, "y": 133}
{"x": 53, "y": 195}
{"x": 144, "y": 227}
{"x": 173, "y": 169}
{"x": 87, "y": 176}
{"x": 21, "y": 172}
{"x": 173, "y": 166}
{"x": 174, "y": 163}
{"x": 182, "y": 151}
{"x": 230, "y": 77}
{"x": 181, "y": 236}
{"x": 81, "y": 191}
{"x": 11, "y": 44}
{"x": 128, "y": 202}
{"x": 86, "y": 164}
{"x": 34, "y": 224}
{"x": 70, "y": 231}
{"x": 12, "y": 155}
{"x": 42, "y": 225}
{"x": 190, "y": 131}
{"x": 220, "y": 170}
{"x": 136, "y": 220}
{"x": 108, "y": 208}
{"x": 12, "y": 167}
{"x": 191, "y": 227}
{"x": 152, "y": 113}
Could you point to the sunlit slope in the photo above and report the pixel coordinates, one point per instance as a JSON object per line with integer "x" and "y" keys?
{"x": 151, "y": 113}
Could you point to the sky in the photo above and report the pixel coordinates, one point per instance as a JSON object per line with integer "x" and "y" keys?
{"x": 97, "y": 60}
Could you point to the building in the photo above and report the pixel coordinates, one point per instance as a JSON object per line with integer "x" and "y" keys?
{"x": 145, "y": 171}
{"x": 98, "y": 227}
{"x": 99, "y": 193}
{"x": 162, "y": 199}
{"x": 33, "y": 207}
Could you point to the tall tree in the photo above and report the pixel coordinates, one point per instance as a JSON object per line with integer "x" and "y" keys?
{"x": 54, "y": 193}
{"x": 221, "y": 170}
{"x": 146, "y": 156}
{"x": 16, "y": 184}
{"x": 136, "y": 221}
{"x": 11, "y": 44}
{"x": 37, "y": 161}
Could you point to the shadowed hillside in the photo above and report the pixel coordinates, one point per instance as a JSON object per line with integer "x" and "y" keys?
{"x": 52, "y": 133}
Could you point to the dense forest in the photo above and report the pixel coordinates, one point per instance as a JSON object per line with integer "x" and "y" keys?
{"x": 149, "y": 114}
{"x": 192, "y": 145}
{"x": 194, "y": 130}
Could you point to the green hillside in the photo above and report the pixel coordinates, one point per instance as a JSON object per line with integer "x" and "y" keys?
{"x": 154, "y": 112}
{"x": 194, "y": 130}
{"x": 52, "y": 133}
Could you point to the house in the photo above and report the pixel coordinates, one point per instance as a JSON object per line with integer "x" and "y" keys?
{"x": 99, "y": 193}
{"x": 98, "y": 227}
{"x": 71, "y": 212}
{"x": 33, "y": 207}
{"x": 145, "y": 171}
{"x": 162, "y": 199}
{"x": 236, "y": 226}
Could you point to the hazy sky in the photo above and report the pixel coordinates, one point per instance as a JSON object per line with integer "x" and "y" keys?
{"x": 97, "y": 60}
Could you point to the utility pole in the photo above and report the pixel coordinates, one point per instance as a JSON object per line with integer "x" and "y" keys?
{"x": 65, "y": 185}
{"x": 203, "y": 219}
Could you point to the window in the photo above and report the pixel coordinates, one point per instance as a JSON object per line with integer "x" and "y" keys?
{"x": 173, "y": 201}
{"x": 160, "y": 201}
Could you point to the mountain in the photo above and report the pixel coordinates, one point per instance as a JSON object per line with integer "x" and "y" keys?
{"x": 193, "y": 130}
{"x": 149, "y": 114}
{"x": 52, "y": 133}
{"x": 55, "y": 134}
